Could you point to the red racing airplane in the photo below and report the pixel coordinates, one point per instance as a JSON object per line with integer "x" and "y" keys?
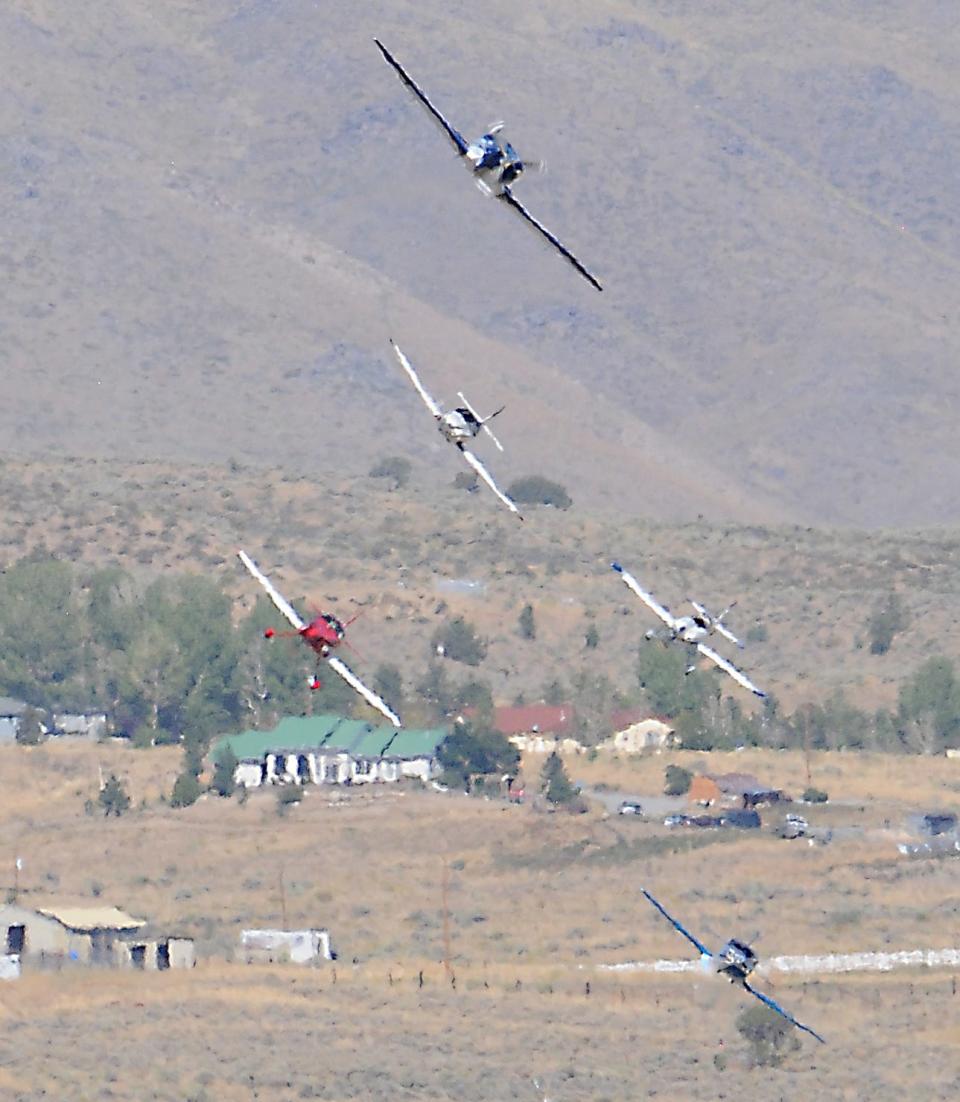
{"x": 322, "y": 634}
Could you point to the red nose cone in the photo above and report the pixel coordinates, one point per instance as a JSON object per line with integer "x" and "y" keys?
{"x": 316, "y": 683}
{"x": 269, "y": 633}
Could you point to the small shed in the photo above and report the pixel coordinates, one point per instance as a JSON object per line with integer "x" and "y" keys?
{"x": 91, "y": 725}
{"x": 59, "y": 934}
{"x": 286, "y": 946}
{"x": 10, "y": 712}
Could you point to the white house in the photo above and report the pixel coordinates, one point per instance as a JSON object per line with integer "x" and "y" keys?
{"x": 644, "y": 735}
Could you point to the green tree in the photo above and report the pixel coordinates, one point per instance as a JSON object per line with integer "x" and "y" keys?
{"x": 887, "y": 619}
{"x": 436, "y": 691}
{"x": 929, "y": 707}
{"x": 224, "y": 772}
{"x": 555, "y": 782}
{"x": 537, "y": 490}
{"x": 30, "y": 727}
{"x": 676, "y": 780}
{"x": 476, "y": 694}
{"x": 555, "y": 693}
{"x": 472, "y": 750}
{"x": 388, "y": 682}
{"x": 459, "y": 642}
{"x": 527, "y": 625}
{"x": 113, "y": 797}
{"x": 591, "y": 638}
{"x": 394, "y": 468}
{"x": 668, "y": 688}
{"x": 43, "y": 632}
{"x": 186, "y": 790}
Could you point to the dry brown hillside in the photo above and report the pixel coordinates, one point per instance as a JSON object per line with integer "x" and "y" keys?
{"x": 216, "y": 215}
{"x": 345, "y": 544}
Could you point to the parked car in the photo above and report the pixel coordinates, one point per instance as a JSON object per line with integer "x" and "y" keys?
{"x": 794, "y": 826}
{"x": 676, "y": 821}
{"x": 742, "y": 820}
{"x": 630, "y": 807}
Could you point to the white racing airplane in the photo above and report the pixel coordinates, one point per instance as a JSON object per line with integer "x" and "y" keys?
{"x": 458, "y": 426}
{"x": 691, "y": 630}
{"x": 321, "y": 634}
{"x": 736, "y": 960}
{"x": 495, "y": 165}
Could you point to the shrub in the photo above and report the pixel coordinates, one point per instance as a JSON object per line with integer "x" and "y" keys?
{"x": 30, "y": 728}
{"x": 537, "y": 490}
{"x": 466, "y": 480}
{"x": 186, "y": 790}
{"x": 394, "y": 468}
{"x": 555, "y": 783}
{"x": 113, "y": 797}
{"x": 676, "y": 780}
{"x": 224, "y": 770}
{"x": 770, "y": 1037}
{"x": 287, "y": 796}
{"x": 459, "y": 641}
{"x": 886, "y": 620}
{"x": 527, "y": 625}
{"x": 814, "y": 796}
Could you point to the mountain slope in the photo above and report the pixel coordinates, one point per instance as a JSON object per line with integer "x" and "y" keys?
{"x": 216, "y": 217}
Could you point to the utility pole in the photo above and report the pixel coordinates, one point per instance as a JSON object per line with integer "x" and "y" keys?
{"x": 283, "y": 902}
{"x": 444, "y": 899}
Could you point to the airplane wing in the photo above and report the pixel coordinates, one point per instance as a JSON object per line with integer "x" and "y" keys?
{"x": 727, "y": 633}
{"x": 729, "y": 668}
{"x": 415, "y": 379}
{"x": 486, "y": 476}
{"x": 767, "y": 1001}
{"x": 508, "y": 197}
{"x": 648, "y": 599}
{"x": 282, "y": 604}
{"x": 358, "y": 686}
{"x": 701, "y": 948}
{"x": 452, "y": 133}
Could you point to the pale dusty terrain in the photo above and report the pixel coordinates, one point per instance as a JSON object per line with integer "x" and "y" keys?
{"x": 534, "y": 902}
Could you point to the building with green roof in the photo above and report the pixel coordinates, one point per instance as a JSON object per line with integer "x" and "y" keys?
{"x": 332, "y": 749}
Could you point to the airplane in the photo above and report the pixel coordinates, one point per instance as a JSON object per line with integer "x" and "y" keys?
{"x": 458, "y": 426}
{"x": 736, "y": 960}
{"x": 691, "y": 630}
{"x": 495, "y": 165}
{"x": 321, "y": 634}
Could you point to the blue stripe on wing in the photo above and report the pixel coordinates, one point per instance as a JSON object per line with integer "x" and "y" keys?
{"x": 767, "y": 1001}
{"x": 701, "y": 948}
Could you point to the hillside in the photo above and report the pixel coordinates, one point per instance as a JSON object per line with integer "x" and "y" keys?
{"x": 413, "y": 558}
{"x": 215, "y": 217}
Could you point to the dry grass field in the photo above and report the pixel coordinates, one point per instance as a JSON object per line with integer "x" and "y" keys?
{"x": 534, "y": 903}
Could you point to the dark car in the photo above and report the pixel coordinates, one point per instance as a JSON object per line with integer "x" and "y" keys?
{"x": 742, "y": 820}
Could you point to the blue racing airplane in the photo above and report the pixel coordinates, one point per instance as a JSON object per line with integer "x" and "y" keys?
{"x": 736, "y": 960}
{"x": 495, "y": 165}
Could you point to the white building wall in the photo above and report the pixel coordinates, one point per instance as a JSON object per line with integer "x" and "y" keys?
{"x": 248, "y": 773}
